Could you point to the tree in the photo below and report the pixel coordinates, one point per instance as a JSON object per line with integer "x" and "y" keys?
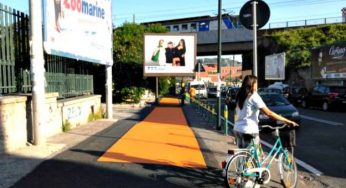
{"x": 128, "y": 41}
{"x": 297, "y": 43}
{"x": 128, "y": 56}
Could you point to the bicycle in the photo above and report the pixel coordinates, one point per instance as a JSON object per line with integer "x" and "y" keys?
{"x": 245, "y": 168}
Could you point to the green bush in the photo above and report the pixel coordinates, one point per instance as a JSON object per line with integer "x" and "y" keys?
{"x": 98, "y": 115}
{"x": 66, "y": 126}
{"x": 132, "y": 94}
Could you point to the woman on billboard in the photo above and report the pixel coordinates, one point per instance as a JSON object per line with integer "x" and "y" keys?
{"x": 159, "y": 55}
{"x": 179, "y": 58}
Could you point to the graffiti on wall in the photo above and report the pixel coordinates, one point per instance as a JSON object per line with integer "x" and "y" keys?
{"x": 73, "y": 112}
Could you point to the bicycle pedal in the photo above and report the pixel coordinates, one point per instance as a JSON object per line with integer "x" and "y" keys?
{"x": 232, "y": 181}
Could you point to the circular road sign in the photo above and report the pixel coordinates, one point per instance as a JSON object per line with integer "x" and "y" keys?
{"x": 263, "y": 14}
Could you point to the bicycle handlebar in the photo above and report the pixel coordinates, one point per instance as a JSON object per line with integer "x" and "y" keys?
{"x": 274, "y": 128}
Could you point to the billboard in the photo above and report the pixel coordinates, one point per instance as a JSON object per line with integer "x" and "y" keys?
{"x": 169, "y": 54}
{"x": 275, "y": 67}
{"x": 329, "y": 62}
{"x": 79, "y": 29}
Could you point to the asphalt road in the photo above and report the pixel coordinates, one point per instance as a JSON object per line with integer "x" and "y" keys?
{"x": 321, "y": 144}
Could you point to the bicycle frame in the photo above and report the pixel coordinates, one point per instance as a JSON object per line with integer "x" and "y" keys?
{"x": 251, "y": 167}
{"x": 275, "y": 150}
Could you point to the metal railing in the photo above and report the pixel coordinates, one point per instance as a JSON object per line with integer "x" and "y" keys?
{"x": 66, "y": 76}
{"x": 308, "y": 22}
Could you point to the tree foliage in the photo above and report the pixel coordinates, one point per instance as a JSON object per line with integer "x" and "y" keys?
{"x": 297, "y": 43}
{"x": 128, "y": 59}
{"x": 128, "y": 41}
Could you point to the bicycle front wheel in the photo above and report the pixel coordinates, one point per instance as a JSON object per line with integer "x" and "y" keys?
{"x": 288, "y": 170}
{"x": 234, "y": 176}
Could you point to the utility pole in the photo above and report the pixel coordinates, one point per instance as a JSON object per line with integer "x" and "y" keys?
{"x": 37, "y": 72}
{"x": 218, "y": 111}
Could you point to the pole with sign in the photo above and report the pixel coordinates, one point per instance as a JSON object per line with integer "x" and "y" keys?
{"x": 253, "y": 15}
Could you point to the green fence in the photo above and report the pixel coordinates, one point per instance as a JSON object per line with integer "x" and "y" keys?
{"x": 8, "y": 23}
{"x": 66, "y": 76}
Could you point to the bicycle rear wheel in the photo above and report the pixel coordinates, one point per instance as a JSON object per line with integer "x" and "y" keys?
{"x": 234, "y": 176}
{"x": 288, "y": 170}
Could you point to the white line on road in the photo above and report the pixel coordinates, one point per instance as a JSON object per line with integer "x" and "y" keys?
{"x": 322, "y": 120}
{"x": 298, "y": 161}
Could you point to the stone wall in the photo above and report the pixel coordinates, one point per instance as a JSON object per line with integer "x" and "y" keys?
{"x": 16, "y": 117}
{"x": 53, "y": 119}
{"x": 80, "y": 110}
{"x": 13, "y": 122}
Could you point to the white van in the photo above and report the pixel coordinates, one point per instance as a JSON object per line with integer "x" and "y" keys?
{"x": 201, "y": 89}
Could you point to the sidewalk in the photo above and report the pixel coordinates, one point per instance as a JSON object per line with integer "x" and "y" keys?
{"x": 17, "y": 164}
{"x": 213, "y": 143}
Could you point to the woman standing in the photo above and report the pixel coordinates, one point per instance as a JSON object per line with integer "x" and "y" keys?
{"x": 249, "y": 104}
{"x": 179, "y": 58}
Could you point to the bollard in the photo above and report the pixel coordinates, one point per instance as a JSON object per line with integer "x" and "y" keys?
{"x": 225, "y": 114}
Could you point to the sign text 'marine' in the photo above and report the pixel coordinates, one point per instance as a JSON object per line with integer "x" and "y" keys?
{"x": 85, "y": 7}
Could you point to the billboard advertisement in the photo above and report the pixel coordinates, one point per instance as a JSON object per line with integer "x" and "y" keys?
{"x": 329, "y": 62}
{"x": 275, "y": 67}
{"x": 169, "y": 54}
{"x": 79, "y": 29}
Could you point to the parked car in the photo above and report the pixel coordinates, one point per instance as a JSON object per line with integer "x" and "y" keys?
{"x": 284, "y": 88}
{"x": 326, "y": 97}
{"x": 212, "y": 92}
{"x": 224, "y": 90}
{"x": 280, "y": 105}
{"x": 266, "y": 90}
{"x": 297, "y": 94}
{"x": 231, "y": 95}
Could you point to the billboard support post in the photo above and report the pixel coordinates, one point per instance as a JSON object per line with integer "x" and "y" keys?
{"x": 109, "y": 88}
{"x": 157, "y": 90}
{"x": 37, "y": 72}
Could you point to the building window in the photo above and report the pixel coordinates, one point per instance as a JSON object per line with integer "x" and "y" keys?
{"x": 176, "y": 28}
{"x": 168, "y": 27}
{"x": 184, "y": 27}
{"x": 193, "y": 27}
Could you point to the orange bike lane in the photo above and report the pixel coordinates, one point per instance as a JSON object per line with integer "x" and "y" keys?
{"x": 163, "y": 137}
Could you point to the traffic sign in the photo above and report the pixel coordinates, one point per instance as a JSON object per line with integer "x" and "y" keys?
{"x": 246, "y": 14}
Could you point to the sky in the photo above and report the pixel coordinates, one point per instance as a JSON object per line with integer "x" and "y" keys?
{"x": 156, "y": 10}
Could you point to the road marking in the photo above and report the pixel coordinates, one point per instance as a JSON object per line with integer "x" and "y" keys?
{"x": 322, "y": 120}
{"x": 299, "y": 162}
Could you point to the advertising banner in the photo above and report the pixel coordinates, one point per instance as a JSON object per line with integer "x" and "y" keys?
{"x": 329, "y": 62}
{"x": 169, "y": 54}
{"x": 79, "y": 29}
{"x": 275, "y": 67}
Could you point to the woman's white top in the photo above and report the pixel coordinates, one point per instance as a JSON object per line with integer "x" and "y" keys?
{"x": 247, "y": 118}
{"x": 162, "y": 56}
